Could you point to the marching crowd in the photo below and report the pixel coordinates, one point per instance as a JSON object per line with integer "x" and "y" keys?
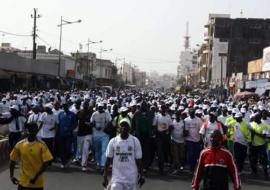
{"x": 169, "y": 127}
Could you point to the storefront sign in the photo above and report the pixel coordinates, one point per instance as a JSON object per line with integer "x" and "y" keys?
{"x": 255, "y": 66}
{"x": 267, "y": 87}
{"x": 266, "y": 59}
{"x": 240, "y": 84}
{"x": 251, "y": 84}
{"x": 261, "y": 83}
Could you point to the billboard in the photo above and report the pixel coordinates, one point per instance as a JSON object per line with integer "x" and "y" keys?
{"x": 255, "y": 66}
{"x": 266, "y": 59}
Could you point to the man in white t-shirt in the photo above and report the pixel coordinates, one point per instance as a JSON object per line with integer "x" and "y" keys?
{"x": 193, "y": 139}
{"x": 208, "y": 127}
{"x": 100, "y": 120}
{"x": 178, "y": 143}
{"x": 48, "y": 124}
{"x": 163, "y": 123}
{"x": 124, "y": 152}
{"x": 34, "y": 117}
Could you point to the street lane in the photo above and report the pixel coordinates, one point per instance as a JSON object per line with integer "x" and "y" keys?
{"x": 74, "y": 179}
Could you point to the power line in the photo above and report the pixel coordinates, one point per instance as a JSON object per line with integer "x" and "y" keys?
{"x": 44, "y": 41}
{"x": 13, "y": 34}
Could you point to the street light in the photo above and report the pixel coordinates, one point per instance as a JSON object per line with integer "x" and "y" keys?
{"x": 62, "y": 23}
{"x": 119, "y": 59}
{"x": 104, "y": 50}
{"x": 88, "y": 44}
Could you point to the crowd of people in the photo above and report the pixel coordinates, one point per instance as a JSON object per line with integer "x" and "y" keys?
{"x": 168, "y": 127}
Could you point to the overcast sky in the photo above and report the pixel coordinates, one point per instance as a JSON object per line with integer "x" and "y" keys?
{"x": 148, "y": 33}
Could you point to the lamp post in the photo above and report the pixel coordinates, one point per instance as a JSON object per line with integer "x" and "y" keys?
{"x": 222, "y": 55}
{"x": 62, "y": 23}
{"x": 103, "y": 50}
{"x": 88, "y": 53}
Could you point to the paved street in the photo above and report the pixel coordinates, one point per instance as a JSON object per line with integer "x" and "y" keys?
{"x": 74, "y": 179}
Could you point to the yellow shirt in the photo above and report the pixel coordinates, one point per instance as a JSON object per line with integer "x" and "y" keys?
{"x": 32, "y": 156}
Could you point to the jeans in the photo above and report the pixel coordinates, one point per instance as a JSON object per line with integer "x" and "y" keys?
{"x": 147, "y": 149}
{"x": 268, "y": 153}
{"x": 74, "y": 144}
{"x": 178, "y": 153}
{"x": 163, "y": 149}
{"x": 100, "y": 145}
{"x": 83, "y": 144}
{"x": 65, "y": 148}
{"x": 240, "y": 154}
{"x": 258, "y": 153}
{"x": 193, "y": 153}
{"x": 50, "y": 144}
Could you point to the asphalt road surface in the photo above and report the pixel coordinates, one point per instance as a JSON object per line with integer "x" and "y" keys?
{"x": 74, "y": 179}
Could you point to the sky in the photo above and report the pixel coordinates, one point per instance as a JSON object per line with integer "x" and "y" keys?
{"x": 147, "y": 33}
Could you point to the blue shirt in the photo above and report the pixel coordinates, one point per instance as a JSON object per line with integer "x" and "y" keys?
{"x": 67, "y": 123}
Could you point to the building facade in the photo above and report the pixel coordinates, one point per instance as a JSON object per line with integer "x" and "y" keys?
{"x": 232, "y": 42}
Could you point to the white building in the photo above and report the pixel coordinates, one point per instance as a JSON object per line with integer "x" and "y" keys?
{"x": 128, "y": 73}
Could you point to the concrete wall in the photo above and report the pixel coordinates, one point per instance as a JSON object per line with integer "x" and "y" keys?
{"x": 218, "y": 47}
{"x": 16, "y": 63}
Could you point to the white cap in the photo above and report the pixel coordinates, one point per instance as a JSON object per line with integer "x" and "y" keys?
{"x": 100, "y": 105}
{"x": 261, "y": 108}
{"x": 235, "y": 110}
{"x": 198, "y": 111}
{"x": 15, "y": 107}
{"x": 181, "y": 108}
{"x": 123, "y": 109}
{"x": 205, "y": 107}
{"x": 243, "y": 110}
{"x": 237, "y": 115}
{"x": 49, "y": 105}
{"x": 126, "y": 121}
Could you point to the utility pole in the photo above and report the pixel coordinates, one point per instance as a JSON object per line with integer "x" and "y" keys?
{"x": 35, "y": 16}
{"x": 88, "y": 44}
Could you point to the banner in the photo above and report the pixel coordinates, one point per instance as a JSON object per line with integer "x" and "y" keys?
{"x": 266, "y": 59}
{"x": 255, "y": 66}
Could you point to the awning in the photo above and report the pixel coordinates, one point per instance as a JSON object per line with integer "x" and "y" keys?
{"x": 260, "y": 91}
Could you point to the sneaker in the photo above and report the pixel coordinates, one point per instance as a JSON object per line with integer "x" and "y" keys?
{"x": 174, "y": 172}
{"x": 75, "y": 161}
{"x": 84, "y": 169}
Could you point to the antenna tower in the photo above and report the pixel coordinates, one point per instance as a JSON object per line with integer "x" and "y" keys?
{"x": 187, "y": 37}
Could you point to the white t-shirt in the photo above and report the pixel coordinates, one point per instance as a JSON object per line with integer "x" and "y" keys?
{"x": 193, "y": 127}
{"x": 222, "y": 119}
{"x": 49, "y": 121}
{"x": 178, "y": 131}
{"x": 162, "y": 122}
{"x": 124, "y": 154}
{"x": 238, "y": 135}
{"x": 56, "y": 112}
{"x": 12, "y": 125}
{"x": 100, "y": 120}
{"x": 207, "y": 131}
{"x": 35, "y": 118}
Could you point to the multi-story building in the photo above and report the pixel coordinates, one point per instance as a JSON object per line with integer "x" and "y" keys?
{"x": 85, "y": 64}
{"x": 233, "y": 42}
{"x": 105, "y": 72}
{"x": 140, "y": 78}
{"x": 128, "y": 73}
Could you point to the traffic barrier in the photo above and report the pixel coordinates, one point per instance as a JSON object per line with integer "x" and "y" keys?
{"x": 4, "y": 150}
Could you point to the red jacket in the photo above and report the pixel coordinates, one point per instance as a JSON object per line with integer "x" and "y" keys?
{"x": 214, "y": 165}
